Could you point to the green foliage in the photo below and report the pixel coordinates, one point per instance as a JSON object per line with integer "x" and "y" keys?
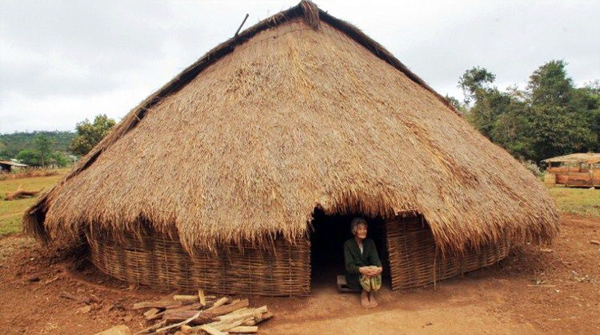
{"x": 12, "y": 144}
{"x": 455, "y": 103}
{"x": 475, "y": 83}
{"x": 42, "y": 154}
{"x": 59, "y": 159}
{"x": 549, "y": 85}
{"x": 550, "y": 118}
{"x": 29, "y": 157}
{"x": 43, "y": 145}
{"x": 89, "y": 134}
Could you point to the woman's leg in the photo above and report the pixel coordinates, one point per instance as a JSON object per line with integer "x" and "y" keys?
{"x": 364, "y": 299}
{"x": 375, "y": 286}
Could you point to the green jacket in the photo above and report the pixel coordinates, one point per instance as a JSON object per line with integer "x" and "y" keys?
{"x": 354, "y": 259}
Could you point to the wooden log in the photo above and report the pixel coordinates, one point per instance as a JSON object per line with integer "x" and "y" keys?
{"x": 21, "y": 193}
{"x": 179, "y": 324}
{"x": 152, "y": 328}
{"x": 249, "y": 322}
{"x": 156, "y": 316}
{"x": 151, "y": 312}
{"x": 211, "y": 330}
{"x": 249, "y": 314}
{"x": 186, "y": 298}
{"x": 186, "y": 329}
{"x": 265, "y": 316}
{"x": 179, "y": 316}
{"x": 202, "y": 298}
{"x": 243, "y": 330}
{"x": 224, "y": 309}
{"x": 194, "y": 306}
{"x": 157, "y": 304}
{"x": 220, "y": 302}
{"x": 207, "y": 316}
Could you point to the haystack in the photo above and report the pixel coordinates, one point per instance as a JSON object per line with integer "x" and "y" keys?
{"x": 217, "y": 175}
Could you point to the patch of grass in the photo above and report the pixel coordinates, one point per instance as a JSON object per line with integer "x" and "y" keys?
{"x": 11, "y": 212}
{"x": 581, "y": 201}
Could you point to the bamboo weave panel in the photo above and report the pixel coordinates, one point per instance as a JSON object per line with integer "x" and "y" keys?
{"x": 162, "y": 263}
{"x": 413, "y": 255}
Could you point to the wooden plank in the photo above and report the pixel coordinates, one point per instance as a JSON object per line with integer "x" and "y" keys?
{"x": 157, "y": 304}
{"x": 185, "y": 298}
{"x": 179, "y": 324}
{"x": 243, "y": 330}
{"x": 211, "y": 330}
{"x": 220, "y": 302}
{"x": 202, "y": 298}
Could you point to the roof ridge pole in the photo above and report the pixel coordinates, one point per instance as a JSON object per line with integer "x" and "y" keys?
{"x": 241, "y": 25}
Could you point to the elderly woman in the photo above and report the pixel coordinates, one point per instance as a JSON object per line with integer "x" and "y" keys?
{"x": 363, "y": 267}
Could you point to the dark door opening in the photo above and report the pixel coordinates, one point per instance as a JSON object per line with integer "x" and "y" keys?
{"x": 327, "y": 246}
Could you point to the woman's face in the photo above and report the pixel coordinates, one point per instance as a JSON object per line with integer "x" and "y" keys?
{"x": 361, "y": 231}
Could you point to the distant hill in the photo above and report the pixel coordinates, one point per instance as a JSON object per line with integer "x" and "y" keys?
{"x": 11, "y": 144}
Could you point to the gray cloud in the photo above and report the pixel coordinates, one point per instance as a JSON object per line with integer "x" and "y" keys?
{"x": 63, "y": 61}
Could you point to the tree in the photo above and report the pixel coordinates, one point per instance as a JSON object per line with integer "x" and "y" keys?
{"x": 551, "y": 117}
{"x": 4, "y": 155}
{"x": 475, "y": 82}
{"x": 43, "y": 146}
{"x": 90, "y": 134}
{"x": 484, "y": 103}
{"x": 29, "y": 157}
{"x": 549, "y": 85}
{"x": 59, "y": 159}
{"x": 455, "y": 103}
{"x": 561, "y": 118}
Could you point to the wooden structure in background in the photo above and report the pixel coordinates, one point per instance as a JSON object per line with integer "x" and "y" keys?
{"x": 7, "y": 166}
{"x": 577, "y": 170}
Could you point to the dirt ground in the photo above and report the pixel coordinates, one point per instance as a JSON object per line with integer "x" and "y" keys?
{"x": 530, "y": 292}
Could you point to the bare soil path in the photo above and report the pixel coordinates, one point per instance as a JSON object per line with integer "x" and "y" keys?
{"x": 531, "y": 292}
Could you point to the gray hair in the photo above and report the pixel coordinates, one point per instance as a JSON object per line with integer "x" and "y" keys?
{"x": 357, "y": 222}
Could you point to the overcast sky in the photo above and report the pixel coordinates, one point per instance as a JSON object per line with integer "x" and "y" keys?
{"x": 64, "y": 61}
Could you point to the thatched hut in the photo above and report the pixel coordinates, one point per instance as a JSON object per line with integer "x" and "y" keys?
{"x": 222, "y": 177}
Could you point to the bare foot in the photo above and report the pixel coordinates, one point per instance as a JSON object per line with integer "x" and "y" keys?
{"x": 364, "y": 300}
{"x": 372, "y": 300}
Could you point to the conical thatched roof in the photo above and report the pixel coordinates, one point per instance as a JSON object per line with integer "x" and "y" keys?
{"x": 299, "y": 111}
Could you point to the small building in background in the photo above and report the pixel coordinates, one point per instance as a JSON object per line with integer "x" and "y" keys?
{"x": 7, "y": 166}
{"x": 578, "y": 170}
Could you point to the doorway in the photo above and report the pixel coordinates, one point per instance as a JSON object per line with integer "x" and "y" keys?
{"x": 328, "y": 235}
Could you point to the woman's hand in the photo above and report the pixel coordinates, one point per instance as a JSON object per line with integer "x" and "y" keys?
{"x": 370, "y": 271}
{"x": 375, "y": 271}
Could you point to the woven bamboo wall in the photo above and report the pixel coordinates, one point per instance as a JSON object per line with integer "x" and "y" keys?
{"x": 413, "y": 255}
{"x": 162, "y": 263}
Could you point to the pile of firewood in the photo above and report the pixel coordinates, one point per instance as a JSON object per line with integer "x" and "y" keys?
{"x": 200, "y": 314}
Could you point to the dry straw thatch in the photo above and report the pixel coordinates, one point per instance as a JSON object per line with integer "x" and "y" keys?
{"x": 585, "y": 158}
{"x": 300, "y": 111}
